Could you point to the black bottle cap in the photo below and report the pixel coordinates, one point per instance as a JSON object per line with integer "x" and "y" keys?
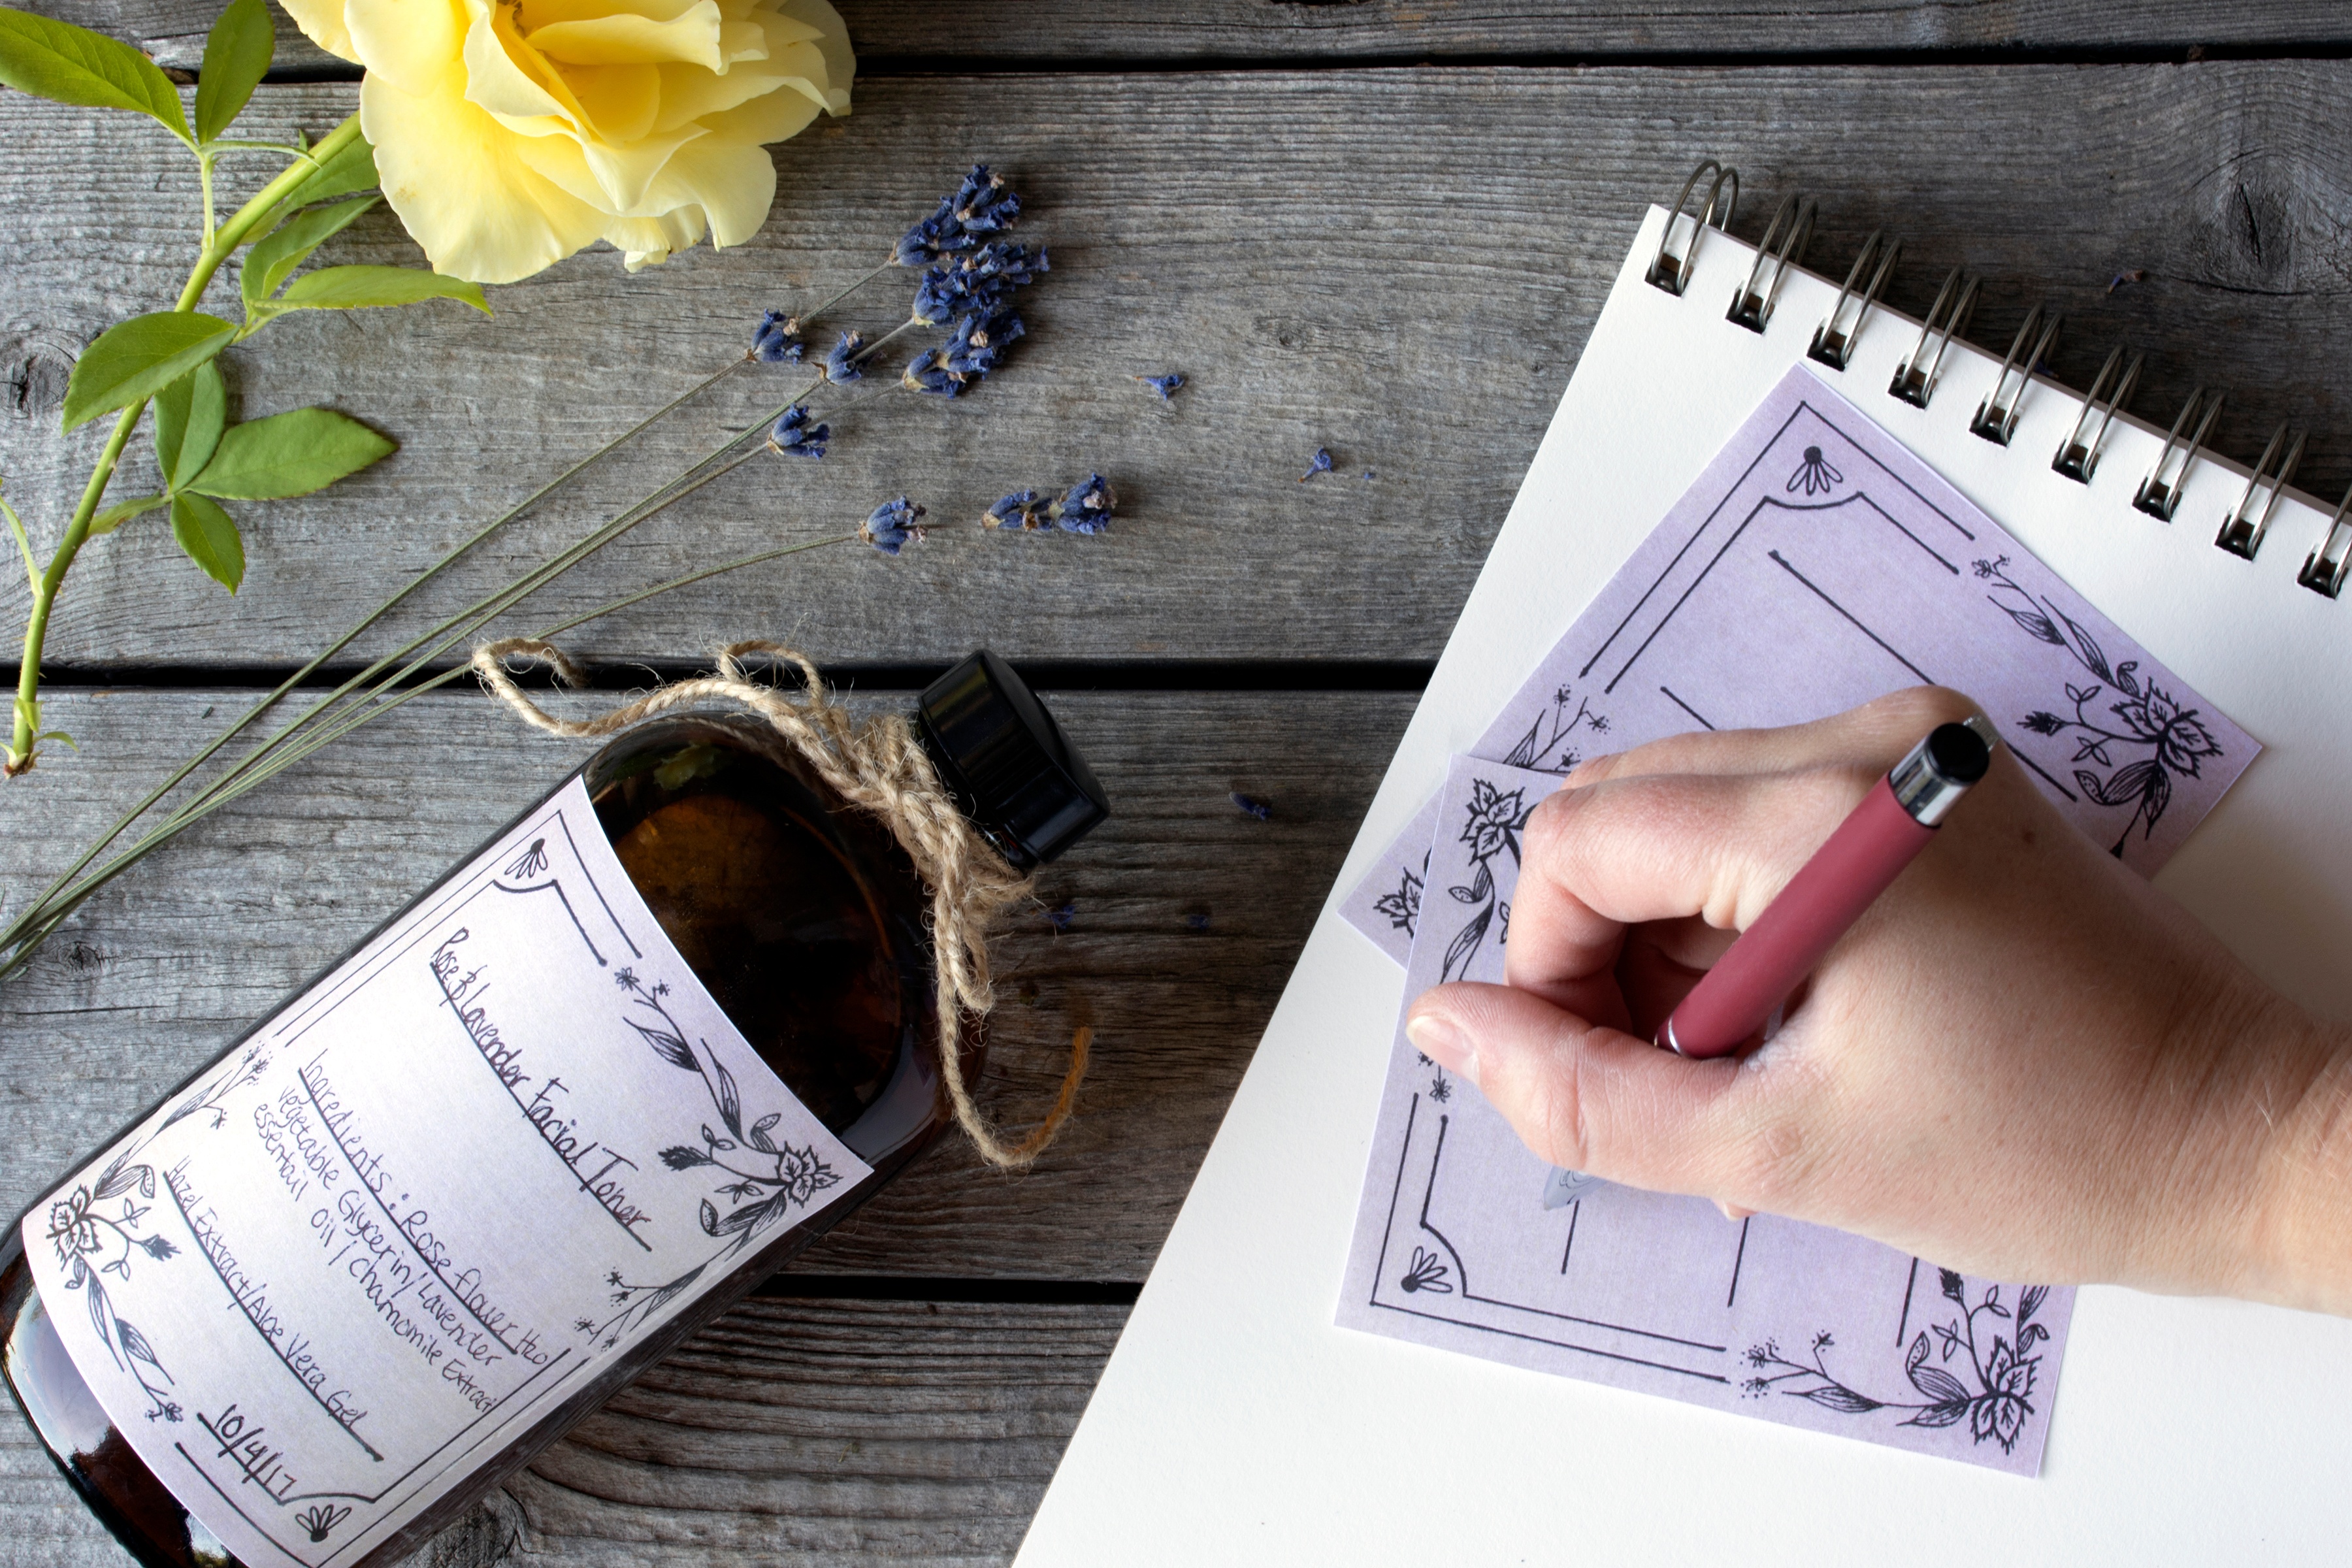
{"x": 1958, "y": 752}
{"x": 1005, "y": 761}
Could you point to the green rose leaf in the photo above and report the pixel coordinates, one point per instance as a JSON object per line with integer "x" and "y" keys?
{"x": 290, "y": 453}
{"x": 351, "y": 169}
{"x": 189, "y": 418}
{"x": 237, "y": 55}
{"x": 123, "y": 511}
{"x": 353, "y": 287}
{"x": 275, "y": 259}
{"x": 209, "y": 536}
{"x": 66, "y": 64}
{"x": 138, "y": 358}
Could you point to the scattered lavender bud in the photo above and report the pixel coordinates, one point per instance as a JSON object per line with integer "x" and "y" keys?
{"x": 777, "y": 339}
{"x": 1197, "y": 922}
{"x": 1252, "y": 806}
{"x": 1167, "y": 386}
{"x": 794, "y": 433}
{"x": 2136, "y": 275}
{"x": 1319, "y": 464}
{"x": 1061, "y": 917}
{"x": 1087, "y": 507}
{"x": 1022, "y": 509}
{"x": 1368, "y": 473}
{"x": 840, "y": 361}
{"x": 890, "y": 526}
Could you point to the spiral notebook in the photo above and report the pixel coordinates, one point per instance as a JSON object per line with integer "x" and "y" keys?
{"x": 1235, "y": 1423}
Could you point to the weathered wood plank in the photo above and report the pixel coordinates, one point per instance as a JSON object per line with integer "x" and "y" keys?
{"x": 1400, "y": 265}
{"x": 166, "y": 966}
{"x": 1057, "y": 30}
{"x": 812, "y": 1432}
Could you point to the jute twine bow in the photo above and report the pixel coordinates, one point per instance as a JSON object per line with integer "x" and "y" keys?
{"x": 880, "y": 767}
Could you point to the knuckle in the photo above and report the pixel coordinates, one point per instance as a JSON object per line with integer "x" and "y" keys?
{"x": 1557, "y": 1114}
{"x": 1921, "y": 708}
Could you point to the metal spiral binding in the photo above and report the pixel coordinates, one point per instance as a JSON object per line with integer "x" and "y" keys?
{"x": 2077, "y": 456}
{"x": 1996, "y": 417}
{"x": 2159, "y": 493}
{"x": 1833, "y": 342}
{"x": 2323, "y": 572}
{"x": 1753, "y": 306}
{"x": 2242, "y": 531}
{"x": 1915, "y": 378}
{"x": 1671, "y": 269}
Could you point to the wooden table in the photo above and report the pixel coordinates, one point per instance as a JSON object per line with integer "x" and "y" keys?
{"x": 1380, "y": 227}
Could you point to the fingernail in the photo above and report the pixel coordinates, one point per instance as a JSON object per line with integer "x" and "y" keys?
{"x": 1437, "y": 1038}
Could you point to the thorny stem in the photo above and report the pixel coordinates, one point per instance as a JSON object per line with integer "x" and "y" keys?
{"x": 219, "y": 245}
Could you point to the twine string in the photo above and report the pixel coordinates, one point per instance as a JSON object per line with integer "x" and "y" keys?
{"x": 879, "y": 766}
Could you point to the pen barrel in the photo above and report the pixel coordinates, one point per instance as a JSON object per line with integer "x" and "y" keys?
{"x": 1772, "y": 957}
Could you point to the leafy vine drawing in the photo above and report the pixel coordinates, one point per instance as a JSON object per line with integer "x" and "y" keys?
{"x": 1546, "y": 747}
{"x": 770, "y": 1179}
{"x": 1995, "y": 1407}
{"x": 2175, "y": 738}
{"x": 1402, "y": 907}
{"x": 249, "y": 1068}
{"x": 637, "y": 1304}
{"x": 1496, "y": 819}
{"x": 92, "y": 1242}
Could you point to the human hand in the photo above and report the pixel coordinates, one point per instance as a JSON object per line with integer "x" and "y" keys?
{"x": 2025, "y": 1062}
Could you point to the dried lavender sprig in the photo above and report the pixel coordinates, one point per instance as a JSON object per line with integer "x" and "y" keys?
{"x": 362, "y": 714}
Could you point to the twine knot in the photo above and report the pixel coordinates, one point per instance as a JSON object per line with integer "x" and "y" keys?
{"x": 879, "y": 766}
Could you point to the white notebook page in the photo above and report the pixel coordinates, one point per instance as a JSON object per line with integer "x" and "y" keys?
{"x": 1235, "y": 1424}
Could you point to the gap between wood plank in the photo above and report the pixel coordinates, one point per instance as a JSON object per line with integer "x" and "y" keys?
{"x": 942, "y": 1288}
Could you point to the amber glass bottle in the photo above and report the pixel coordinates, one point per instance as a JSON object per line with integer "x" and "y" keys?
{"x": 801, "y": 923}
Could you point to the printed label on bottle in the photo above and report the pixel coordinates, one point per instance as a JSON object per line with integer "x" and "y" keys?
{"x": 425, "y": 1204}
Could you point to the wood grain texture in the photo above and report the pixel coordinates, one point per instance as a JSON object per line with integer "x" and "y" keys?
{"x": 169, "y": 965}
{"x": 1398, "y": 264}
{"x": 1144, "y": 30}
{"x": 822, "y": 1433}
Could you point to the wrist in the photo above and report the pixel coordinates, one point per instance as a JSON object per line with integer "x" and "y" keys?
{"x": 2299, "y": 1246}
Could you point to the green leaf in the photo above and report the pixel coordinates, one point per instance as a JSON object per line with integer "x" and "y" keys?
{"x": 290, "y": 453}
{"x": 353, "y": 168}
{"x": 236, "y": 56}
{"x": 274, "y": 260}
{"x": 351, "y": 288}
{"x": 189, "y": 416}
{"x": 123, "y": 511}
{"x": 138, "y": 358}
{"x": 209, "y": 536}
{"x": 66, "y": 64}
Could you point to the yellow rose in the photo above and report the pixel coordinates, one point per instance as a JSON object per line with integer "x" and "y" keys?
{"x": 509, "y": 135}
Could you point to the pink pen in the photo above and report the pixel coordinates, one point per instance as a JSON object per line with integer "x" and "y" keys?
{"x": 1731, "y": 1004}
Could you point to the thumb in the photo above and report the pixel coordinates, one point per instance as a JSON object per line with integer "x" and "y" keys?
{"x": 1588, "y": 1097}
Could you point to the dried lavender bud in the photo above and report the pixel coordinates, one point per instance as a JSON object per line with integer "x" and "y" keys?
{"x": 984, "y": 203}
{"x": 777, "y": 339}
{"x": 1021, "y": 510}
{"x": 976, "y": 345}
{"x": 1251, "y": 805}
{"x": 890, "y": 526}
{"x": 1196, "y": 921}
{"x": 1087, "y": 507}
{"x": 1319, "y": 464}
{"x": 928, "y": 372}
{"x": 793, "y": 434}
{"x": 1060, "y": 918}
{"x": 840, "y": 361}
{"x": 977, "y": 284}
{"x": 1167, "y": 386}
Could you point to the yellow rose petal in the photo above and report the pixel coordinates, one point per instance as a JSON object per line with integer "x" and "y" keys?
{"x": 539, "y": 12}
{"x": 411, "y": 44}
{"x": 504, "y": 73}
{"x": 832, "y": 41}
{"x": 733, "y": 181}
{"x": 692, "y": 39}
{"x": 690, "y": 92}
{"x": 322, "y": 22}
{"x": 450, "y": 172}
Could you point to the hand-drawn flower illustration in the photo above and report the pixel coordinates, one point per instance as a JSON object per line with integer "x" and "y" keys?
{"x": 320, "y": 1518}
{"x": 1426, "y": 1273}
{"x": 1546, "y": 747}
{"x": 1496, "y": 816}
{"x": 89, "y": 1242}
{"x": 1402, "y": 907}
{"x": 532, "y": 862}
{"x": 247, "y": 1069}
{"x": 1494, "y": 819}
{"x": 1996, "y": 1408}
{"x": 1441, "y": 1087}
{"x": 2176, "y": 739}
{"x": 1814, "y": 476}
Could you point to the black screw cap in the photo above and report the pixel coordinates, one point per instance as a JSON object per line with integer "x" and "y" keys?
{"x": 1004, "y": 759}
